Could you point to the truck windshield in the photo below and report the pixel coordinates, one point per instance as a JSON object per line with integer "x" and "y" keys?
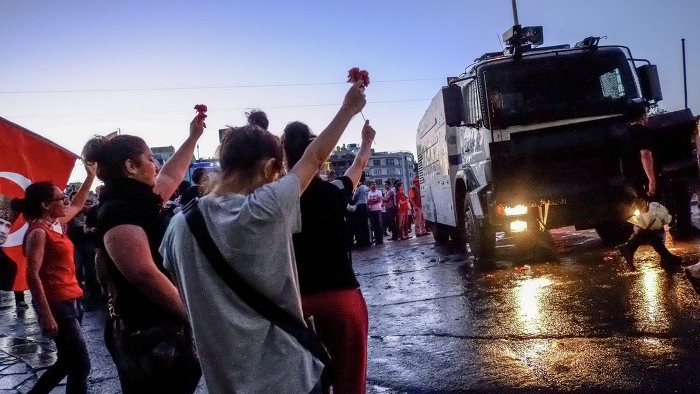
{"x": 555, "y": 86}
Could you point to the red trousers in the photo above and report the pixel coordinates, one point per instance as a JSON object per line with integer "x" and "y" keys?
{"x": 342, "y": 324}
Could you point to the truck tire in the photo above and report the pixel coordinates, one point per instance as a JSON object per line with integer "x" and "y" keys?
{"x": 441, "y": 233}
{"x": 480, "y": 236}
{"x": 614, "y": 232}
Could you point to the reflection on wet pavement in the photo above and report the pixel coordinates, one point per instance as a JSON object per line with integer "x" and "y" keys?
{"x": 574, "y": 320}
{"x": 22, "y": 348}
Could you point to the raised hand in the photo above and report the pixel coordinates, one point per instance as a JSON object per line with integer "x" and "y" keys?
{"x": 355, "y": 98}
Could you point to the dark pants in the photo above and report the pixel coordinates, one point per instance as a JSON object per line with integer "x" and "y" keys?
{"x": 73, "y": 360}
{"x": 391, "y": 222}
{"x": 360, "y": 226}
{"x": 375, "y": 220}
{"x": 84, "y": 255}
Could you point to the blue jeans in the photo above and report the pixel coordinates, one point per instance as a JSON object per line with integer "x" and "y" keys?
{"x": 73, "y": 360}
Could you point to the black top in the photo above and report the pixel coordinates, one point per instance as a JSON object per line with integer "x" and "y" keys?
{"x": 324, "y": 261}
{"x": 190, "y": 194}
{"x": 91, "y": 221}
{"x": 127, "y": 201}
{"x": 635, "y": 139}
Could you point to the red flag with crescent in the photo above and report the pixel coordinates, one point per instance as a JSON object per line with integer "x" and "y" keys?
{"x": 27, "y": 157}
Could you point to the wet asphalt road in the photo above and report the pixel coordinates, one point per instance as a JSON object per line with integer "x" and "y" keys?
{"x": 575, "y": 321}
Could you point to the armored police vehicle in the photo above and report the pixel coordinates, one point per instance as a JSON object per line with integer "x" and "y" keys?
{"x": 526, "y": 140}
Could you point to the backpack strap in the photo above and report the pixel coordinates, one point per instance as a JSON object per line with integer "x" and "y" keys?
{"x": 256, "y": 300}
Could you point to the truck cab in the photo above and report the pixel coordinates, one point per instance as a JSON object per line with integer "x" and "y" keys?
{"x": 527, "y": 141}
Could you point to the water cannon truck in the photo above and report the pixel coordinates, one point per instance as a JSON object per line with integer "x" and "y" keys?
{"x": 526, "y": 140}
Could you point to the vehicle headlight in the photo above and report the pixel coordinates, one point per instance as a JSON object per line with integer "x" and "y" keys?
{"x": 506, "y": 210}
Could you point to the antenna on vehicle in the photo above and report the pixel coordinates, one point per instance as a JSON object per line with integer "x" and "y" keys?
{"x": 685, "y": 81}
{"x": 498, "y": 38}
{"x": 518, "y": 37}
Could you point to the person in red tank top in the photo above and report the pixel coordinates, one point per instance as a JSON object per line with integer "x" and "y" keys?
{"x": 402, "y": 210}
{"x": 51, "y": 277}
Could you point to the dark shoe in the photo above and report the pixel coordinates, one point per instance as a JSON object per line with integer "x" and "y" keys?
{"x": 695, "y": 282}
{"x": 21, "y": 305}
{"x": 671, "y": 261}
{"x": 394, "y": 238}
{"x": 628, "y": 253}
{"x": 379, "y": 243}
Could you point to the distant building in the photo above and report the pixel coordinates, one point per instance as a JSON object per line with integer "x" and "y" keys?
{"x": 161, "y": 154}
{"x": 382, "y": 166}
{"x": 341, "y": 158}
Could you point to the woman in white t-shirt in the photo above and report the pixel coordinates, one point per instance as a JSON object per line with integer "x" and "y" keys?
{"x": 251, "y": 214}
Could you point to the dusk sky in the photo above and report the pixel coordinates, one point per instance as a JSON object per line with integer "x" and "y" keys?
{"x": 71, "y": 69}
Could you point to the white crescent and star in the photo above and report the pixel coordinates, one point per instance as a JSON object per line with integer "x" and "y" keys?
{"x": 16, "y": 238}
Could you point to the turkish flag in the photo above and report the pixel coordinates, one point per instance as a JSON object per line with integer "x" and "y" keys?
{"x": 28, "y": 158}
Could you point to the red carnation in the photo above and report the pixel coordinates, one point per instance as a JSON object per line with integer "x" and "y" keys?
{"x": 201, "y": 109}
{"x": 355, "y": 74}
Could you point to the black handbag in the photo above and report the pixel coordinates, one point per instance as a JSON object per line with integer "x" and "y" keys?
{"x": 305, "y": 334}
{"x": 161, "y": 357}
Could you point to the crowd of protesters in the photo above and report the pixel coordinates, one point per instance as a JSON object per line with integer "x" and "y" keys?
{"x": 392, "y": 212}
{"x": 282, "y": 232}
{"x": 171, "y": 317}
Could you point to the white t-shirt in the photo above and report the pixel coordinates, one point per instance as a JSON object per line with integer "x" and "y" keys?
{"x": 241, "y": 351}
{"x": 377, "y": 195}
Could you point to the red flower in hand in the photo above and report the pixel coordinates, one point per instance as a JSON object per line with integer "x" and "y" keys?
{"x": 355, "y": 74}
{"x": 201, "y": 109}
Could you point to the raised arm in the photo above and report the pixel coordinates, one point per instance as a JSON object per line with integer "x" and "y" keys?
{"x": 172, "y": 173}
{"x": 317, "y": 152}
{"x": 76, "y": 205}
{"x": 362, "y": 157}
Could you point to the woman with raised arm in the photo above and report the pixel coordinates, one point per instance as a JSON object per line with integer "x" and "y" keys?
{"x": 52, "y": 279}
{"x": 251, "y": 214}
{"x": 131, "y": 229}
{"x": 329, "y": 289}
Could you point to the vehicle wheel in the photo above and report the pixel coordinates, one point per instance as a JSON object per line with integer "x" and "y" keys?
{"x": 480, "y": 236}
{"x": 441, "y": 233}
{"x": 614, "y": 232}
